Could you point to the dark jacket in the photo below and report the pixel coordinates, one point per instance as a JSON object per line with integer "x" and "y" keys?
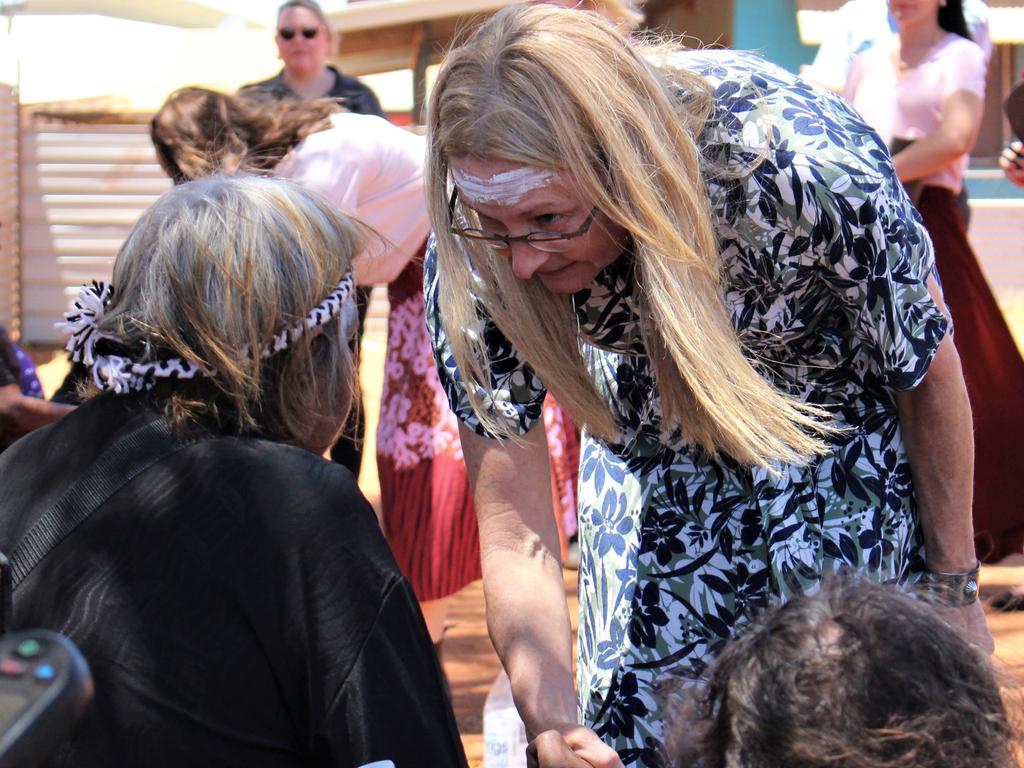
{"x": 236, "y": 602}
{"x": 353, "y": 95}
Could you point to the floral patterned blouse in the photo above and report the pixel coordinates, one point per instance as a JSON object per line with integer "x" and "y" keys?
{"x": 825, "y": 265}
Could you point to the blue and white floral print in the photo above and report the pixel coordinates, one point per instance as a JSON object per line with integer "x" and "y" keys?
{"x": 825, "y": 264}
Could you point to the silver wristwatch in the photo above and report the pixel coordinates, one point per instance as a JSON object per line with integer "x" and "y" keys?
{"x": 953, "y": 589}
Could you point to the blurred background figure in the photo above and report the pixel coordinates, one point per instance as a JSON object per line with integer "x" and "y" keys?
{"x": 22, "y": 407}
{"x": 924, "y": 87}
{"x": 230, "y": 589}
{"x": 303, "y": 43}
{"x": 861, "y": 24}
{"x": 1012, "y": 163}
{"x": 831, "y": 679}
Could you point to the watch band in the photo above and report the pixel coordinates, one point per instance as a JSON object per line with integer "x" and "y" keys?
{"x": 953, "y": 589}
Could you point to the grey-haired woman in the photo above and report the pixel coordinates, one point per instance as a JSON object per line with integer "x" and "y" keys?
{"x": 230, "y": 589}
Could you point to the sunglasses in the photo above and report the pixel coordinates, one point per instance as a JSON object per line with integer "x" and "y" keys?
{"x": 287, "y": 33}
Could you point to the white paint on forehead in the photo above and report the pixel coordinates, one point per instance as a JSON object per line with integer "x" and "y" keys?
{"x": 506, "y": 188}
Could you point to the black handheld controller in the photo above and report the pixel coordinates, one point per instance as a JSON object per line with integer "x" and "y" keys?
{"x": 45, "y": 687}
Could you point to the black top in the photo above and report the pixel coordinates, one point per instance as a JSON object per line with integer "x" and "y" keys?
{"x": 354, "y": 95}
{"x": 67, "y": 392}
{"x": 236, "y": 602}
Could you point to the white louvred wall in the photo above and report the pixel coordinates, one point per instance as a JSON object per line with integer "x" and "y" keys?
{"x": 9, "y": 280}
{"x": 82, "y": 189}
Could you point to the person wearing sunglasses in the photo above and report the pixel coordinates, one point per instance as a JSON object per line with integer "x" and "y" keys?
{"x": 712, "y": 265}
{"x": 303, "y": 43}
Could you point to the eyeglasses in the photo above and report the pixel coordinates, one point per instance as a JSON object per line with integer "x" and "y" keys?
{"x": 287, "y": 33}
{"x": 543, "y": 240}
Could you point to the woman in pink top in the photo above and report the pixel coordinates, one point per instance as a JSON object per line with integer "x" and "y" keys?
{"x": 923, "y": 92}
{"x": 373, "y": 171}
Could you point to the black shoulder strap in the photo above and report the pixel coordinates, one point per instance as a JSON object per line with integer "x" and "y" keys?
{"x": 115, "y": 467}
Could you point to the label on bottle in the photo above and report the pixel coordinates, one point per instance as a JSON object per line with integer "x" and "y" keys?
{"x": 504, "y": 739}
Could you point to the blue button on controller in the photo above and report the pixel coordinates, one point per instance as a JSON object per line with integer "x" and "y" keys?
{"x": 45, "y": 672}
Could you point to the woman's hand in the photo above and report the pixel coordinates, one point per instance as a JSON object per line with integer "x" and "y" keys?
{"x": 969, "y": 620}
{"x": 570, "y": 746}
{"x": 1012, "y": 163}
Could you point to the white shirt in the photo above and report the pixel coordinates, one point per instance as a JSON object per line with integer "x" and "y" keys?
{"x": 373, "y": 171}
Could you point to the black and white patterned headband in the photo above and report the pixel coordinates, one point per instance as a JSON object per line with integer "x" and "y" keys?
{"x": 120, "y": 375}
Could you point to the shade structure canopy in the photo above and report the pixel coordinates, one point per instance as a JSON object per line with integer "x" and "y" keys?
{"x": 192, "y": 14}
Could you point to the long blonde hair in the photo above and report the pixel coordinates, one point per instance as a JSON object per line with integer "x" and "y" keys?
{"x": 218, "y": 266}
{"x": 562, "y": 89}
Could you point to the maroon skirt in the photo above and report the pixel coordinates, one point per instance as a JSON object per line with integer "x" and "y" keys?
{"x": 994, "y": 372}
{"x": 426, "y": 503}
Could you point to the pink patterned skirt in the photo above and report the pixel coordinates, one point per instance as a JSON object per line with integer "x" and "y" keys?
{"x": 425, "y": 496}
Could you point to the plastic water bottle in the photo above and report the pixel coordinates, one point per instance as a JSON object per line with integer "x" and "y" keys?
{"x": 504, "y": 732}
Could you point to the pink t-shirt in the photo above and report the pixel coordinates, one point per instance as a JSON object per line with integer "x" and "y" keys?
{"x": 373, "y": 171}
{"x": 911, "y": 107}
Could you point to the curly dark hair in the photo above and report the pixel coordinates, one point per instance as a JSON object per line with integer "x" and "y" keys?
{"x": 858, "y": 675}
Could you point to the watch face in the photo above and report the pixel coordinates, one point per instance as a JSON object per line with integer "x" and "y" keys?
{"x": 971, "y": 588}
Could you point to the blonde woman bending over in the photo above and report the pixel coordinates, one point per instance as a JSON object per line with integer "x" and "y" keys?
{"x": 713, "y": 267}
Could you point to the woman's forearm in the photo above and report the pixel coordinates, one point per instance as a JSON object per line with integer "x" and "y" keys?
{"x": 927, "y": 156}
{"x": 954, "y": 138}
{"x": 938, "y": 435}
{"x": 529, "y": 626}
{"x": 20, "y": 414}
{"x": 527, "y": 616}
